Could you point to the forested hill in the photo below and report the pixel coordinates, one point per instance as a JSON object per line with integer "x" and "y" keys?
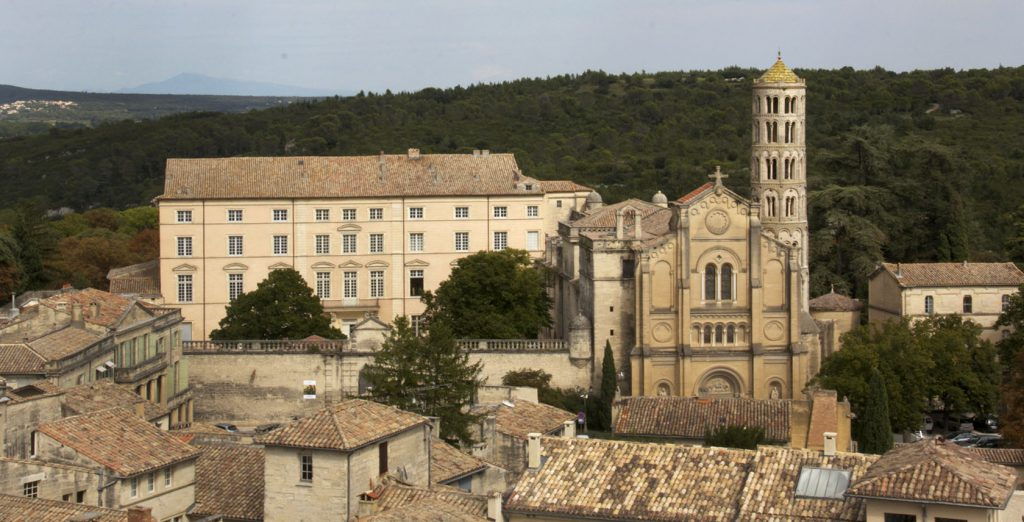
{"x": 926, "y": 165}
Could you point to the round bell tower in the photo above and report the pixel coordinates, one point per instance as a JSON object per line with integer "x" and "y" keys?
{"x": 778, "y": 160}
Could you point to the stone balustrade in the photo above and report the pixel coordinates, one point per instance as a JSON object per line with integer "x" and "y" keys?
{"x": 300, "y": 346}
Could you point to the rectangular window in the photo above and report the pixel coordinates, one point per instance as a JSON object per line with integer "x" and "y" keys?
{"x": 134, "y": 487}
{"x": 416, "y": 321}
{"x": 323, "y": 244}
{"x": 376, "y": 214}
{"x": 929, "y": 304}
{"x": 415, "y": 212}
{"x": 184, "y": 216}
{"x": 234, "y": 215}
{"x": 376, "y": 243}
{"x": 376, "y": 283}
{"x": 558, "y": 203}
{"x": 168, "y": 476}
{"x": 533, "y": 240}
{"x": 628, "y": 268}
{"x": 323, "y": 285}
{"x": 151, "y": 482}
{"x": 234, "y": 286}
{"x": 33, "y": 441}
{"x": 462, "y": 241}
{"x": 80, "y": 497}
{"x": 351, "y": 285}
{"x": 66, "y": 497}
{"x": 235, "y": 245}
{"x": 415, "y": 283}
{"x": 382, "y": 458}
{"x": 500, "y": 212}
{"x": 899, "y": 517}
{"x": 30, "y": 489}
{"x": 348, "y": 243}
{"x": 945, "y": 519}
{"x": 184, "y": 288}
{"x": 306, "y": 468}
{"x": 461, "y": 212}
{"x": 280, "y": 245}
{"x": 348, "y": 214}
{"x": 500, "y": 240}
{"x": 416, "y": 242}
{"x": 532, "y": 211}
{"x": 280, "y": 214}
{"x": 323, "y": 214}
{"x": 185, "y": 246}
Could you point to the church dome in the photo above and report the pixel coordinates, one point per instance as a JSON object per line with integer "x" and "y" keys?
{"x": 659, "y": 199}
{"x": 594, "y": 197}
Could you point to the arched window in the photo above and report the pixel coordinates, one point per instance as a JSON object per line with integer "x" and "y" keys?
{"x": 730, "y": 334}
{"x": 929, "y": 305}
{"x": 968, "y": 304}
{"x": 710, "y": 281}
{"x": 726, "y": 292}
{"x": 767, "y": 132}
{"x": 792, "y": 105}
{"x": 775, "y": 105}
{"x": 707, "y": 334}
{"x": 787, "y": 105}
{"x": 768, "y": 104}
{"x": 719, "y": 334}
{"x": 774, "y": 172}
{"x": 775, "y": 125}
{"x": 1006, "y": 302}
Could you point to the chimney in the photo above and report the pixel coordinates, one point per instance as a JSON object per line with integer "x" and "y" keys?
{"x": 476, "y": 153}
{"x": 533, "y": 451}
{"x": 638, "y": 233}
{"x": 899, "y": 270}
{"x": 485, "y": 152}
{"x": 140, "y": 409}
{"x": 620, "y": 225}
{"x": 569, "y": 429}
{"x": 494, "y": 507}
{"x": 830, "y": 444}
{"x": 140, "y": 514}
{"x": 965, "y": 263}
{"x": 76, "y": 313}
{"x": 94, "y": 308}
{"x": 435, "y": 426}
{"x": 414, "y": 153}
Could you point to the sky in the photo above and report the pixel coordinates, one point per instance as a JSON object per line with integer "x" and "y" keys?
{"x": 402, "y": 45}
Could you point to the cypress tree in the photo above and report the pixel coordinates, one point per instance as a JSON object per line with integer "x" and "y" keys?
{"x": 608, "y": 386}
{"x": 875, "y": 429}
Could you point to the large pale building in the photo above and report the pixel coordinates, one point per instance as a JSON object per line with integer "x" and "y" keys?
{"x": 706, "y": 295}
{"x": 368, "y": 233}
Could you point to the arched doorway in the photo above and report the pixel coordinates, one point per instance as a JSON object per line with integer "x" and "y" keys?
{"x": 719, "y": 383}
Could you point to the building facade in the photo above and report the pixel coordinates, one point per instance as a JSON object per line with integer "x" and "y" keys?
{"x": 368, "y": 233}
{"x": 976, "y": 291}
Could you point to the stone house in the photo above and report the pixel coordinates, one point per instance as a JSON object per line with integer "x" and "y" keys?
{"x": 21, "y": 411}
{"x": 450, "y": 466}
{"x": 795, "y": 423}
{"x": 975, "y": 291}
{"x": 136, "y": 463}
{"x": 78, "y": 337}
{"x": 317, "y": 467}
{"x": 504, "y": 427}
{"x": 105, "y": 394}
{"x": 368, "y": 233}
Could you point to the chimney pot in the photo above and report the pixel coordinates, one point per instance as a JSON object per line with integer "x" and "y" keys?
{"x": 830, "y": 444}
{"x": 76, "y": 313}
{"x": 435, "y": 426}
{"x": 569, "y": 429}
{"x": 533, "y": 450}
{"x": 95, "y": 309}
{"x": 476, "y": 153}
{"x": 414, "y": 153}
{"x": 494, "y": 507}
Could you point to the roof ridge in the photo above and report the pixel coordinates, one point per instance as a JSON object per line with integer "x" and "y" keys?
{"x": 333, "y": 412}
{"x": 934, "y": 457}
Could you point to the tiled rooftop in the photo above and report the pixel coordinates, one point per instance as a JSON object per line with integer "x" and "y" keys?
{"x": 779, "y": 73}
{"x": 23, "y": 509}
{"x": 833, "y": 302}
{"x": 693, "y": 417}
{"x": 105, "y": 394}
{"x": 385, "y": 175}
{"x": 559, "y": 185}
{"x": 425, "y": 510}
{"x": 393, "y": 496}
{"x": 19, "y": 358}
{"x": 955, "y": 274}
{"x": 61, "y": 343}
{"x": 936, "y": 471}
{"x": 111, "y": 306}
{"x": 604, "y": 217}
{"x": 692, "y": 195}
{"x": 229, "y": 481}
{"x": 118, "y": 440}
{"x": 344, "y": 426}
{"x": 1004, "y": 456}
{"x": 141, "y": 279}
{"x": 525, "y": 417}
{"x": 448, "y": 463}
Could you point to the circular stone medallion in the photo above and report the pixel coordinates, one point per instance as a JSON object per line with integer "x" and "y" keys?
{"x": 717, "y": 222}
{"x": 662, "y": 332}
{"x": 773, "y": 331}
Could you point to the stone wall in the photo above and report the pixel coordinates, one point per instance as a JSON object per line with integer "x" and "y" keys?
{"x": 56, "y": 482}
{"x": 19, "y": 419}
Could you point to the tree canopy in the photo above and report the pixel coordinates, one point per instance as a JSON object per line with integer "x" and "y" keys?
{"x": 281, "y": 307}
{"x": 492, "y": 295}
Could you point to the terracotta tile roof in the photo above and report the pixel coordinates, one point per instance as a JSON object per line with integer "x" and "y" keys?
{"x": 833, "y": 302}
{"x": 1004, "y": 456}
{"x": 779, "y": 73}
{"x": 229, "y": 481}
{"x": 112, "y": 306}
{"x": 345, "y": 176}
{"x": 955, "y": 274}
{"x": 19, "y": 358}
{"x": 525, "y": 417}
{"x": 692, "y": 417}
{"x": 31, "y": 392}
{"x": 24, "y": 509}
{"x": 105, "y": 394}
{"x": 426, "y": 510}
{"x": 117, "y": 439}
{"x": 770, "y": 490}
{"x": 448, "y": 463}
{"x": 936, "y": 471}
{"x": 617, "y": 480}
{"x": 344, "y": 426}
{"x": 604, "y": 217}
{"x": 562, "y": 185}
{"x": 138, "y": 279}
{"x": 692, "y": 195}
{"x": 394, "y": 495}
{"x": 61, "y": 343}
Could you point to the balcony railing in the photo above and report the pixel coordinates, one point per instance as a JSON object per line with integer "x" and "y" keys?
{"x": 147, "y": 367}
{"x": 513, "y": 345}
{"x": 258, "y": 346}
{"x": 352, "y": 304}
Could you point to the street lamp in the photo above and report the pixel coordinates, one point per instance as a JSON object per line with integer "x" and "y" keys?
{"x": 585, "y": 396}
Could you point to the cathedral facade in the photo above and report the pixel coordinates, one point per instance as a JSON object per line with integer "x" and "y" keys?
{"x": 706, "y": 295}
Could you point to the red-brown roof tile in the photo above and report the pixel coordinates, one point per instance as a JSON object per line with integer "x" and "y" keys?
{"x": 525, "y": 417}
{"x": 695, "y": 192}
{"x": 344, "y": 426}
{"x": 447, "y": 463}
{"x": 229, "y": 481}
{"x": 910, "y": 275}
{"x": 24, "y": 509}
{"x": 693, "y": 417}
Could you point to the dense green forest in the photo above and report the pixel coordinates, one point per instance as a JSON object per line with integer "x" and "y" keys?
{"x": 918, "y": 166}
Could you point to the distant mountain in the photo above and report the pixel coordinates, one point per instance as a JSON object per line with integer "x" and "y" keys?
{"x": 190, "y": 83}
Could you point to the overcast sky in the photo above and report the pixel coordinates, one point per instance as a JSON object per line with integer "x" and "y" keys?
{"x": 406, "y": 45}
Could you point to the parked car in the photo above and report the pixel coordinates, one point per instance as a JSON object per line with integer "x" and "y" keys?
{"x": 927, "y": 424}
{"x": 961, "y": 438}
{"x": 986, "y": 441}
{"x": 267, "y": 428}
{"x": 230, "y": 428}
{"x": 986, "y": 424}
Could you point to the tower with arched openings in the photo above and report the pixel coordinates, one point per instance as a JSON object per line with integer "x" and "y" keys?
{"x": 778, "y": 159}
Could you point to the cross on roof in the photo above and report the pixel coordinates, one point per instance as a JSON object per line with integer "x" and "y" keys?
{"x": 718, "y": 176}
